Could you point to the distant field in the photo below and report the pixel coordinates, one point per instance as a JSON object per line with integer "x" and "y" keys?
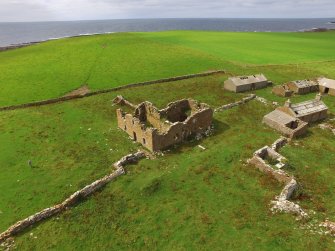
{"x": 52, "y": 69}
{"x": 186, "y": 199}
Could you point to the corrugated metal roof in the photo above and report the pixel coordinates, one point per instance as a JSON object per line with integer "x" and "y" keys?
{"x": 308, "y": 107}
{"x": 304, "y": 83}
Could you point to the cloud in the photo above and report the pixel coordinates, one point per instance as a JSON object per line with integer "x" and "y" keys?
{"x": 34, "y": 10}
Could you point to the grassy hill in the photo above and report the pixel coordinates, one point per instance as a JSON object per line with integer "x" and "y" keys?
{"x": 186, "y": 199}
{"x": 52, "y": 69}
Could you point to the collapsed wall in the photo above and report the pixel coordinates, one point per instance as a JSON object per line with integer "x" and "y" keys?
{"x": 159, "y": 129}
{"x": 282, "y": 202}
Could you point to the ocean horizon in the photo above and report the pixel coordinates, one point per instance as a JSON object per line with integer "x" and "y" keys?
{"x": 13, "y": 33}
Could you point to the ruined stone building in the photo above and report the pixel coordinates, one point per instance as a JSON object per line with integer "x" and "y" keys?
{"x": 282, "y": 90}
{"x": 303, "y": 86}
{"x": 159, "y": 129}
{"x": 285, "y": 124}
{"x": 292, "y": 119}
{"x": 308, "y": 111}
{"x": 297, "y": 87}
{"x": 327, "y": 86}
{"x": 246, "y": 83}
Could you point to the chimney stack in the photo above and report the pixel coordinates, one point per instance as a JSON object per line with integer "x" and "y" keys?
{"x": 288, "y": 103}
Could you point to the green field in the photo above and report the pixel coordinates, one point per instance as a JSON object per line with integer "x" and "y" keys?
{"x": 188, "y": 199}
{"x": 52, "y": 69}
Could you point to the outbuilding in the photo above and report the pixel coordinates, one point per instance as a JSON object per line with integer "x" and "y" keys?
{"x": 308, "y": 111}
{"x": 246, "y": 83}
{"x": 303, "y": 86}
{"x": 285, "y": 123}
{"x": 327, "y": 86}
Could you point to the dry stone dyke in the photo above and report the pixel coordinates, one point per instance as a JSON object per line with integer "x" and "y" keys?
{"x": 73, "y": 199}
{"x": 67, "y": 98}
{"x": 282, "y": 202}
{"x": 231, "y": 105}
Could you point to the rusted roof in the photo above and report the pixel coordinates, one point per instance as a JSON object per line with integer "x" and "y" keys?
{"x": 308, "y": 107}
{"x": 304, "y": 83}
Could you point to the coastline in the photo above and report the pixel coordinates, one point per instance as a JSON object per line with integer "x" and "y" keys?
{"x": 25, "y": 44}
{"x": 21, "y": 45}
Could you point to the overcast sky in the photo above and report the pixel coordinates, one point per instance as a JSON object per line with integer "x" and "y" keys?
{"x": 43, "y": 10}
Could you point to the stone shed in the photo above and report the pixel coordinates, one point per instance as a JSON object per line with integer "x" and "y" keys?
{"x": 303, "y": 86}
{"x": 327, "y": 86}
{"x": 285, "y": 124}
{"x": 159, "y": 129}
{"x": 308, "y": 111}
{"x": 282, "y": 90}
{"x": 246, "y": 83}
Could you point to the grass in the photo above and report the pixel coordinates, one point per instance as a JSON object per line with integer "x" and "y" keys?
{"x": 52, "y": 69}
{"x": 186, "y": 199}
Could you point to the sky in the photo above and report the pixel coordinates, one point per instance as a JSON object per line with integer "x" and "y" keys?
{"x": 59, "y": 10}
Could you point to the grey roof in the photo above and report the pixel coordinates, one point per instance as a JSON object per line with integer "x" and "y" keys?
{"x": 280, "y": 117}
{"x": 247, "y": 80}
{"x": 304, "y": 83}
{"x": 308, "y": 107}
{"x": 326, "y": 82}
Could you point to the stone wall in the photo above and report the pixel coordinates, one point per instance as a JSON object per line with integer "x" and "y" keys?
{"x": 73, "y": 199}
{"x": 300, "y": 130}
{"x": 231, "y": 105}
{"x": 282, "y": 202}
{"x": 62, "y": 99}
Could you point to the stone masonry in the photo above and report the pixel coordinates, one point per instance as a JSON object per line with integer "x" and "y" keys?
{"x": 159, "y": 129}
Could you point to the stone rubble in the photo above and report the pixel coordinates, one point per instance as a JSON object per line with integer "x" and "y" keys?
{"x": 328, "y": 225}
{"x": 262, "y": 100}
{"x": 326, "y": 126}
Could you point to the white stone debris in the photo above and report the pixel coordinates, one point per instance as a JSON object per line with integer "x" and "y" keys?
{"x": 262, "y": 100}
{"x": 281, "y": 202}
{"x": 201, "y": 147}
{"x": 326, "y": 126}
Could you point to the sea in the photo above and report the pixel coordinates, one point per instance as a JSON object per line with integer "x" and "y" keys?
{"x": 26, "y": 32}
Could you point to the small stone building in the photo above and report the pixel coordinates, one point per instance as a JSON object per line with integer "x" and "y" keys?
{"x": 246, "y": 83}
{"x": 159, "y": 129}
{"x": 327, "y": 86}
{"x": 303, "y": 86}
{"x": 285, "y": 124}
{"x": 282, "y": 90}
{"x": 308, "y": 111}
{"x": 297, "y": 87}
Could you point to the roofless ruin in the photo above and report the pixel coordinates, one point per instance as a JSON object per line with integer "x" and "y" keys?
{"x": 159, "y": 129}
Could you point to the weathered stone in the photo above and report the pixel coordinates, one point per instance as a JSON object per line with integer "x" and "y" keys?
{"x": 231, "y": 105}
{"x": 159, "y": 129}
